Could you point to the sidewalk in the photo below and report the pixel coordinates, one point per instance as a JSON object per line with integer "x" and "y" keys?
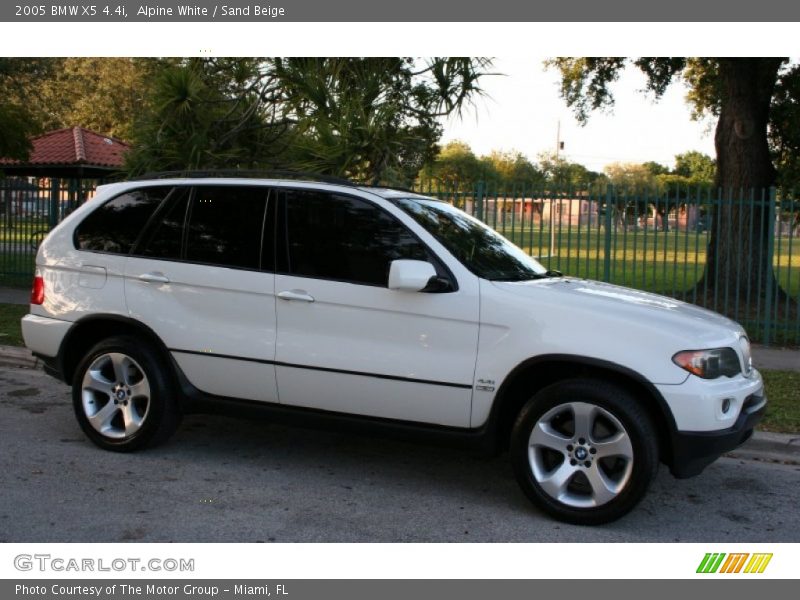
{"x": 16, "y": 356}
{"x": 779, "y": 359}
{"x": 14, "y": 295}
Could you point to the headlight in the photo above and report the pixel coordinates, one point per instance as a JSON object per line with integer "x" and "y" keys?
{"x": 747, "y": 355}
{"x": 709, "y": 364}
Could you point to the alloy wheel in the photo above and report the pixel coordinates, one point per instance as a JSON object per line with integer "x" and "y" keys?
{"x": 115, "y": 395}
{"x": 580, "y": 454}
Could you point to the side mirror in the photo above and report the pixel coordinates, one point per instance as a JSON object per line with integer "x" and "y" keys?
{"x": 410, "y": 275}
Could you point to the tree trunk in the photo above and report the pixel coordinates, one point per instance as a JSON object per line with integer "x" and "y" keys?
{"x": 738, "y": 258}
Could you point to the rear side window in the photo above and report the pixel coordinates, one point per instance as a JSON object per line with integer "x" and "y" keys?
{"x": 214, "y": 225}
{"x": 344, "y": 238}
{"x": 115, "y": 226}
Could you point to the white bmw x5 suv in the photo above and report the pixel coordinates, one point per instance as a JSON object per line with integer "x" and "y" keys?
{"x": 356, "y": 305}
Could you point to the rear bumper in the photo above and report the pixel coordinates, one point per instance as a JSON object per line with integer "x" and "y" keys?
{"x": 693, "y": 451}
{"x": 43, "y": 335}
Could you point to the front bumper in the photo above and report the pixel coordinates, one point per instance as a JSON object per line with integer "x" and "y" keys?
{"x": 693, "y": 451}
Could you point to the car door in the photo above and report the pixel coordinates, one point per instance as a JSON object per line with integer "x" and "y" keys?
{"x": 202, "y": 278}
{"x": 345, "y": 341}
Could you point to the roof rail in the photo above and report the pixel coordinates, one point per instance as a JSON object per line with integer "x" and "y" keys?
{"x": 394, "y": 188}
{"x": 246, "y": 173}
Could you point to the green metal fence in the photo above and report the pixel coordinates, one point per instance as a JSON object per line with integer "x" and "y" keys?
{"x": 661, "y": 242}
{"x": 738, "y": 254}
{"x": 29, "y": 208}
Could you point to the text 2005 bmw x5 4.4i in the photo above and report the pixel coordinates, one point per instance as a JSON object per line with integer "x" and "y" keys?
{"x": 332, "y": 301}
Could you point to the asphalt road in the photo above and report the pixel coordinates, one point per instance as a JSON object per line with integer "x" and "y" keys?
{"x": 229, "y": 480}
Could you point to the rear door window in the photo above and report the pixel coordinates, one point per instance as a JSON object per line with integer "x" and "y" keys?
{"x": 214, "y": 225}
{"x": 165, "y": 238}
{"x": 225, "y": 226}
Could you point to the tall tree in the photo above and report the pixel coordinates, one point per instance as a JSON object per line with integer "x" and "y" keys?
{"x": 784, "y": 131}
{"x": 17, "y": 121}
{"x": 740, "y": 92}
{"x": 512, "y": 168}
{"x": 210, "y": 114}
{"x": 15, "y": 127}
{"x": 455, "y": 168}
{"x": 374, "y": 118}
{"x": 563, "y": 174}
{"x": 103, "y": 94}
{"x": 631, "y": 178}
{"x": 371, "y": 119}
{"x": 696, "y": 167}
{"x": 655, "y": 168}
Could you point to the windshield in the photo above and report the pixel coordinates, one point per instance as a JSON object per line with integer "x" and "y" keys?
{"x": 482, "y": 250}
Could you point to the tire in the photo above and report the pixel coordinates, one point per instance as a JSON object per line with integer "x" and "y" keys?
{"x": 123, "y": 397}
{"x": 584, "y": 451}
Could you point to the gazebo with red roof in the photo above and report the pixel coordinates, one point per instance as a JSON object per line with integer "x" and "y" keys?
{"x": 74, "y": 153}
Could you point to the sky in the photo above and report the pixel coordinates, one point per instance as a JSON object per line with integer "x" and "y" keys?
{"x": 523, "y": 108}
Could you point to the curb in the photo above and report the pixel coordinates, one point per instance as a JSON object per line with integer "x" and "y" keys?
{"x": 15, "y": 356}
{"x": 770, "y": 447}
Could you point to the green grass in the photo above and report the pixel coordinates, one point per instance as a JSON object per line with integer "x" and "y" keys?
{"x": 10, "y": 332}
{"x": 669, "y": 263}
{"x": 22, "y": 230}
{"x": 666, "y": 262}
{"x": 16, "y": 270}
{"x": 783, "y": 395}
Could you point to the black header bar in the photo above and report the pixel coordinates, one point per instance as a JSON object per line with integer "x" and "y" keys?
{"x": 405, "y": 11}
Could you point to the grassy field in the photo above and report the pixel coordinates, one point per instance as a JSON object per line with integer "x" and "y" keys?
{"x": 669, "y": 262}
{"x": 21, "y": 232}
{"x": 10, "y": 333}
{"x": 783, "y": 393}
{"x": 16, "y": 270}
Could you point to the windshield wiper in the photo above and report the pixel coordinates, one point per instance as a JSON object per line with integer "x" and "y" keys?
{"x": 529, "y": 276}
{"x": 520, "y": 277}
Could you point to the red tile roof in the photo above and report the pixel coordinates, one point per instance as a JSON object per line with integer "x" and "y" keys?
{"x": 74, "y": 146}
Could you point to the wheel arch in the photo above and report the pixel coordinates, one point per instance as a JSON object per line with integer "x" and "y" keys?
{"x": 88, "y": 331}
{"x": 538, "y": 372}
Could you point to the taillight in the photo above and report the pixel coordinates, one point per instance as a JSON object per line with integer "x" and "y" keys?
{"x": 37, "y": 292}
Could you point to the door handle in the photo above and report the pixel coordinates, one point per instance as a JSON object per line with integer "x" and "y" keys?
{"x": 296, "y": 295}
{"x": 154, "y": 277}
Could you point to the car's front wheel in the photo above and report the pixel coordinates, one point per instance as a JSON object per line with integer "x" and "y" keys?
{"x": 584, "y": 451}
{"x": 123, "y": 397}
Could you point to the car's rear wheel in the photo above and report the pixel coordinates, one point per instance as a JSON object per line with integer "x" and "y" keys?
{"x": 123, "y": 397}
{"x": 584, "y": 451}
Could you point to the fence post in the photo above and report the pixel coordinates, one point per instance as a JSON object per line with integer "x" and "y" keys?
{"x": 607, "y": 240}
{"x": 52, "y": 216}
{"x": 770, "y": 276}
{"x": 477, "y": 208}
